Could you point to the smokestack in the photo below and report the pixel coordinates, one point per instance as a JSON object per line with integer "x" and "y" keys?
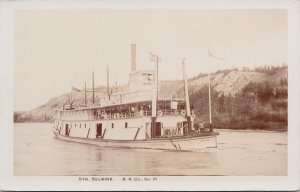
{"x": 133, "y": 57}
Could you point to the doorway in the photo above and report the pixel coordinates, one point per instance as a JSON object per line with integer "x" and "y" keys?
{"x": 67, "y": 130}
{"x": 158, "y": 129}
{"x": 99, "y": 130}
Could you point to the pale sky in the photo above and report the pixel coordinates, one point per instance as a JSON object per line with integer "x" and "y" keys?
{"x": 57, "y": 49}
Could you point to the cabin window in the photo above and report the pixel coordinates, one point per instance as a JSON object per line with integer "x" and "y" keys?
{"x": 84, "y": 125}
{"x": 75, "y": 124}
{"x": 112, "y": 125}
{"x": 126, "y": 124}
{"x": 80, "y": 125}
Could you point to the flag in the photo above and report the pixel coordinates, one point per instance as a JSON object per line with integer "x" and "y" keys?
{"x": 213, "y": 56}
{"x": 75, "y": 89}
{"x": 153, "y": 57}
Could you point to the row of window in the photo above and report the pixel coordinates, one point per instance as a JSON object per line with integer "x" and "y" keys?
{"x": 80, "y": 125}
{"x": 73, "y": 113}
{"x": 126, "y": 125}
{"x": 112, "y": 125}
{"x": 58, "y": 123}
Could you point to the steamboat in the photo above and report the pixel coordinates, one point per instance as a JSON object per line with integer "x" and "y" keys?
{"x": 138, "y": 117}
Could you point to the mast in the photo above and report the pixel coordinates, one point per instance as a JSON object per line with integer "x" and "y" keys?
{"x": 157, "y": 60}
{"x": 187, "y": 99}
{"x": 154, "y": 101}
{"x": 155, "y": 93}
{"x": 85, "y": 94}
{"x": 210, "y": 55}
{"x": 71, "y": 99}
{"x": 209, "y": 94}
{"x": 107, "y": 75}
{"x": 93, "y": 88}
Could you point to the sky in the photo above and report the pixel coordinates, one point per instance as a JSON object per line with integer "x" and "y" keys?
{"x": 57, "y": 49}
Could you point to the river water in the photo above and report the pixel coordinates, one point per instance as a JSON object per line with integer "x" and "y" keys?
{"x": 37, "y": 152}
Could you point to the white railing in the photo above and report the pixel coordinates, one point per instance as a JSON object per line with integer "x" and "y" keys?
{"x": 123, "y": 115}
{"x": 141, "y": 113}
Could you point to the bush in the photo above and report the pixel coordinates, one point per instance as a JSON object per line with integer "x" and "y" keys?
{"x": 279, "y": 104}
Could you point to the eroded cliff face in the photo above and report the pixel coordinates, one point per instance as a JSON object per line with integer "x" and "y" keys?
{"x": 226, "y": 83}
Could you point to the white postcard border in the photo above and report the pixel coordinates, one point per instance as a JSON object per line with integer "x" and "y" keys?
{"x": 10, "y": 182}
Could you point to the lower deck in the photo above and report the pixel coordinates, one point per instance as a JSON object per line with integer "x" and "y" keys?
{"x": 138, "y": 128}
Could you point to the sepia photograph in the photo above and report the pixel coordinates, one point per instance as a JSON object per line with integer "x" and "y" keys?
{"x": 141, "y": 95}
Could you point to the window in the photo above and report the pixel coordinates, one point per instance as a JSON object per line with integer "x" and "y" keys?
{"x": 75, "y": 124}
{"x": 84, "y": 125}
{"x": 112, "y": 125}
{"x": 80, "y": 125}
{"x": 126, "y": 124}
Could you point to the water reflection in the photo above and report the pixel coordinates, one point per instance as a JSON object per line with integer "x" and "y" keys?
{"x": 144, "y": 162}
{"x": 37, "y": 152}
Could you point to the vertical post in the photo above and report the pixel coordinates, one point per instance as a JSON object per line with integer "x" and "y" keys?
{"x": 187, "y": 99}
{"x": 157, "y": 60}
{"x": 71, "y": 99}
{"x": 85, "y": 102}
{"x": 154, "y": 99}
{"x": 209, "y": 95}
{"x": 107, "y": 81}
{"x": 93, "y": 88}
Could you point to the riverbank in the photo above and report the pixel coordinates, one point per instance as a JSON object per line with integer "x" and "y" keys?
{"x": 34, "y": 121}
{"x": 254, "y": 125}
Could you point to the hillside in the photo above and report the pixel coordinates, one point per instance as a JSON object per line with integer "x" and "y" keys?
{"x": 229, "y": 82}
{"x": 225, "y": 83}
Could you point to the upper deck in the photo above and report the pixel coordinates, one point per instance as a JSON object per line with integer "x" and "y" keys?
{"x": 136, "y": 100}
{"x": 125, "y": 110}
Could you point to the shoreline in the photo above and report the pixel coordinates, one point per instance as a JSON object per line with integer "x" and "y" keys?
{"x": 217, "y": 129}
{"x": 252, "y": 130}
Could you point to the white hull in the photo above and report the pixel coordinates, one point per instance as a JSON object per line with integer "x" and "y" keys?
{"x": 184, "y": 143}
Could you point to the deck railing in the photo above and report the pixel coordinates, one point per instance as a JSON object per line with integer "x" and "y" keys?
{"x": 160, "y": 112}
{"x": 122, "y": 115}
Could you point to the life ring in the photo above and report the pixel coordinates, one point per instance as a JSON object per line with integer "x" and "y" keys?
{"x": 159, "y": 113}
{"x": 183, "y": 112}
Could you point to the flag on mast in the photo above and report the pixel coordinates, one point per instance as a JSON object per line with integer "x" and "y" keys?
{"x": 153, "y": 57}
{"x": 75, "y": 89}
{"x": 213, "y": 56}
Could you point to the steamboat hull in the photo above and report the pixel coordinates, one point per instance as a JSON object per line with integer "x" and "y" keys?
{"x": 188, "y": 143}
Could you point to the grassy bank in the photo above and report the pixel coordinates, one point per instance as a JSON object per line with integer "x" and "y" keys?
{"x": 253, "y": 125}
